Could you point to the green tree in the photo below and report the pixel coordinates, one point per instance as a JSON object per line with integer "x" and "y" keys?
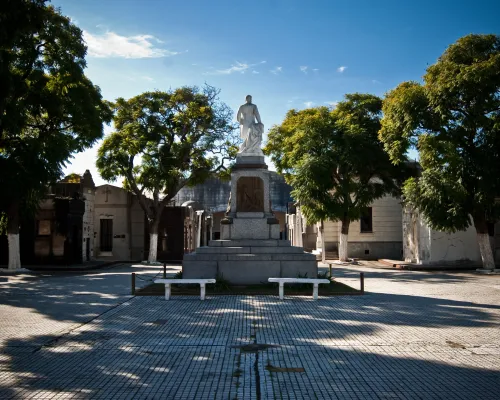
{"x": 334, "y": 160}
{"x": 49, "y": 109}
{"x": 164, "y": 141}
{"x": 453, "y": 119}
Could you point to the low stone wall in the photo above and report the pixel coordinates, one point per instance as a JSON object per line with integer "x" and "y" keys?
{"x": 375, "y": 250}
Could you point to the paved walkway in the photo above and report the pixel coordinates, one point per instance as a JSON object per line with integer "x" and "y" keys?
{"x": 416, "y": 335}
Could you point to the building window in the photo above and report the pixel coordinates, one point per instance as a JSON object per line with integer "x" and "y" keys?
{"x": 366, "y": 220}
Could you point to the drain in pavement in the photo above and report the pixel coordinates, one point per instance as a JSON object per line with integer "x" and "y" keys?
{"x": 455, "y": 345}
{"x": 272, "y": 368}
{"x": 254, "y": 347}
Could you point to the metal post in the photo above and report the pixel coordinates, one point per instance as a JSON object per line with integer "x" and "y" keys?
{"x": 164, "y": 270}
{"x": 202, "y": 291}
{"x": 133, "y": 283}
{"x": 167, "y": 291}
{"x": 282, "y": 290}
{"x": 362, "y": 282}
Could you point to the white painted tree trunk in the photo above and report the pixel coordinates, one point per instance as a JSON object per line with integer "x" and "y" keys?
{"x": 343, "y": 247}
{"x": 323, "y": 250}
{"x": 153, "y": 247}
{"x": 14, "y": 251}
{"x": 483, "y": 240}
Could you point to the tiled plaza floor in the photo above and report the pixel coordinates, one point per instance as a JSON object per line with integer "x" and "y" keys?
{"x": 414, "y": 336}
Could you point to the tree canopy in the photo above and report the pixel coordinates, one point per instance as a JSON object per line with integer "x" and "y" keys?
{"x": 166, "y": 140}
{"x": 333, "y": 159}
{"x": 453, "y": 119}
{"x": 49, "y": 109}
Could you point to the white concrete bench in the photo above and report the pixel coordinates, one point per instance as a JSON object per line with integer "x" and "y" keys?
{"x": 315, "y": 283}
{"x": 168, "y": 282}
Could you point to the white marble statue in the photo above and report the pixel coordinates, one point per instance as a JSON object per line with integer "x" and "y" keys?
{"x": 250, "y": 131}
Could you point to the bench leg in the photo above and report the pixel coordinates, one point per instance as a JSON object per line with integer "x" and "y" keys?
{"x": 167, "y": 291}
{"x": 315, "y": 291}
{"x": 282, "y": 290}
{"x": 202, "y": 291}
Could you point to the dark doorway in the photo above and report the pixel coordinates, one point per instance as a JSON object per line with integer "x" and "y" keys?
{"x": 106, "y": 242}
{"x": 171, "y": 234}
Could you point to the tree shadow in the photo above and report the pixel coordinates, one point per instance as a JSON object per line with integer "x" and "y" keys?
{"x": 367, "y": 346}
{"x": 442, "y": 277}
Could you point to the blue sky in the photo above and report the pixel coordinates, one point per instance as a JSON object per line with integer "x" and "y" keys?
{"x": 286, "y": 54}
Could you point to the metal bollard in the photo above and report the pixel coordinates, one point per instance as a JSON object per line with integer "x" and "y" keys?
{"x": 362, "y": 282}
{"x": 133, "y": 283}
{"x": 164, "y": 270}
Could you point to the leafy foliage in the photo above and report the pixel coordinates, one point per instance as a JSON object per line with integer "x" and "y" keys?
{"x": 49, "y": 109}
{"x": 333, "y": 159}
{"x": 166, "y": 140}
{"x": 453, "y": 119}
{"x": 221, "y": 284}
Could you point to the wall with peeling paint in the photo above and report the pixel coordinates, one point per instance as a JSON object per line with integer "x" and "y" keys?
{"x": 423, "y": 245}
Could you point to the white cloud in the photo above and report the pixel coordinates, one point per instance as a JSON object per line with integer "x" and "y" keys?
{"x": 303, "y": 69}
{"x": 341, "y": 68}
{"x": 147, "y": 78}
{"x": 332, "y": 104}
{"x": 277, "y": 70}
{"x": 309, "y": 104}
{"x": 376, "y": 82}
{"x": 315, "y": 70}
{"x": 111, "y": 44}
{"x": 255, "y": 72}
{"x": 240, "y": 67}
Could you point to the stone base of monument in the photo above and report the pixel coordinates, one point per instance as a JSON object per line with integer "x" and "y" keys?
{"x": 249, "y": 261}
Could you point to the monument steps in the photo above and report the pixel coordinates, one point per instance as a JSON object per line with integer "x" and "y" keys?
{"x": 250, "y": 257}
{"x": 249, "y": 242}
{"x": 250, "y": 250}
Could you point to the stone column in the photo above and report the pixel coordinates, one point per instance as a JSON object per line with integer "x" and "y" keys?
{"x": 199, "y": 221}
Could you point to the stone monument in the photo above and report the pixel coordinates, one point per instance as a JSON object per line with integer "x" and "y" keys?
{"x": 250, "y": 249}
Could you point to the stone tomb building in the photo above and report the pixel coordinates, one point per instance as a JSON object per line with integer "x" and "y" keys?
{"x": 62, "y": 230}
{"x": 79, "y": 222}
{"x": 121, "y": 227}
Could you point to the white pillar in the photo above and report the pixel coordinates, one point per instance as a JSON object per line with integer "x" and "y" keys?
{"x": 202, "y": 291}
{"x": 199, "y": 213}
{"x": 167, "y": 291}
{"x": 282, "y": 290}
{"x": 315, "y": 291}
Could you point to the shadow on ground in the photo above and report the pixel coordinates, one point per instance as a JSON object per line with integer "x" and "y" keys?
{"x": 374, "y": 346}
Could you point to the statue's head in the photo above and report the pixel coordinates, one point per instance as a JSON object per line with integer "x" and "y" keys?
{"x": 248, "y": 99}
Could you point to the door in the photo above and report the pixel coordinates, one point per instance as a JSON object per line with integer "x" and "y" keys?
{"x": 106, "y": 239}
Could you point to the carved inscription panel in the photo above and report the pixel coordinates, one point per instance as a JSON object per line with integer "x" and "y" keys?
{"x": 250, "y": 194}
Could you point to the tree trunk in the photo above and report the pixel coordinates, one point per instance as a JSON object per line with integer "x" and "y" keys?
{"x": 153, "y": 241}
{"x": 483, "y": 239}
{"x": 344, "y": 232}
{"x": 323, "y": 251}
{"x": 13, "y": 236}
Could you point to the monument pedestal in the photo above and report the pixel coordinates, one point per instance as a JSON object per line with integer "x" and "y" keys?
{"x": 250, "y": 250}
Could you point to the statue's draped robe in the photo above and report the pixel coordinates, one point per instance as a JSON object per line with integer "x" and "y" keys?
{"x": 250, "y": 131}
